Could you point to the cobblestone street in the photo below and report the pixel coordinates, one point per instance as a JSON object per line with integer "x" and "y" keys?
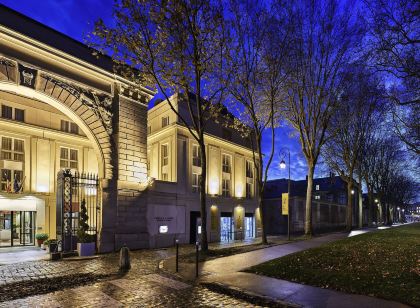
{"x": 143, "y": 286}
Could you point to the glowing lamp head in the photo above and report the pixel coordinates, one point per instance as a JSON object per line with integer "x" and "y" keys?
{"x": 352, "y": 192}
{"x": 376, "y": 200}
{"x": 282, "y": 165}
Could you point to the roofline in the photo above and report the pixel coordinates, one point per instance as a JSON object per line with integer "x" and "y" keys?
{"x": 75, "y": 60}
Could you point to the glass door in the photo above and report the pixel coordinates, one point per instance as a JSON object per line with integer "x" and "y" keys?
{"x": 249, "y": 226}
{"x": 5, "y": 228}
{"x": 226, "y": 229}
{"x": 27, "y": 228}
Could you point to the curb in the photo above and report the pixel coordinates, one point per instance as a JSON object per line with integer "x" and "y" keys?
{"x": 248, "y": 296}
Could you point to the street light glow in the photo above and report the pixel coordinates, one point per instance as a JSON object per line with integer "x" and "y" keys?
{"x": 352, "y": 192}
{"x": 282, "y": 165}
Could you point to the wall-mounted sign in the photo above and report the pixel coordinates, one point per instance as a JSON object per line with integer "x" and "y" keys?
{"x": 163, "y": 229}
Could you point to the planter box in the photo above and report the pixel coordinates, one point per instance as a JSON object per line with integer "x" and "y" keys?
{"x": 52, "y": 247}
{"x": 86, "y": 249}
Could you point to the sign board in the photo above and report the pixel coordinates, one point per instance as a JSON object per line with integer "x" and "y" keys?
{"x": 285, "y": 204}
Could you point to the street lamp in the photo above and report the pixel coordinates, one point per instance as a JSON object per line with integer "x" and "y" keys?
{"x": 283, "y": 166}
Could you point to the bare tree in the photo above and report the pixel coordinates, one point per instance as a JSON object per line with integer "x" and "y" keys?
{"x": 326, "y": 35}
{"x": 395, "y": 54}
{"x": 257, "y": 44}
{"x": 177, "y": 47}
{"x": 349, "y": 129}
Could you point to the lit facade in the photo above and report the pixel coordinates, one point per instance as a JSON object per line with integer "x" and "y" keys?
{"x": 174, "y": 162}
{"x": 64, "y": 108}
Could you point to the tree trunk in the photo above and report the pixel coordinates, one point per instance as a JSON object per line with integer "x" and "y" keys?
{"x": 360, "y": 198}
{"x": 371, "y": 206}
{"x": 262, "y": 215}
{"x": 349, "y": 212}
{"x": 203, "y": 205}
{"x": 308, "y": 207}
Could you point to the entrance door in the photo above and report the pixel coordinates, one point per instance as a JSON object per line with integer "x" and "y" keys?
{"x": 249, "y": 225}
{"x": 17, "y": 228}
{"x": 226, "y": 227}
{"x": 195, "y": 226}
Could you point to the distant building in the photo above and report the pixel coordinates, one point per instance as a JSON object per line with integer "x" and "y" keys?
{"x": 174, "y": 162}
{"x": 329, "y": 201}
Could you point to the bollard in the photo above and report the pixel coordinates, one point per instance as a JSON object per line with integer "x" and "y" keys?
{"x": 196, "y": 259}
{"x": 125, "y": 264}
{"x": 177, "y": 254}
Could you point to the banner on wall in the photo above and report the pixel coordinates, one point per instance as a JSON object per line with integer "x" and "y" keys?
{"x": 285, "y": 204}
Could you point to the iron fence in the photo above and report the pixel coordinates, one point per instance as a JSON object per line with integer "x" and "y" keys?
{"x": 72, "y": 190}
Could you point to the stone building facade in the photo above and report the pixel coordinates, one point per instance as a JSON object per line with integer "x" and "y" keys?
{"x": 175, "y": 165}
{"x": 44, "y": 69}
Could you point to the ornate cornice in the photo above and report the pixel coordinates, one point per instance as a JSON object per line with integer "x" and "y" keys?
{"x": 99, "y": 103}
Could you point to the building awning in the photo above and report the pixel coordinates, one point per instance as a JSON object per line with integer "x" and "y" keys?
{"x": 24, "y": 204}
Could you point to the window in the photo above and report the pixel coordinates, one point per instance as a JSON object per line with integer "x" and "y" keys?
{"x": 12, "y": 149}
{"x": 164, "y": 161}
{"x": 225, "y": 188}
{"x": 68, "y": 158}
{"x": 317, "y": 197}
{"x": 19, "y": 115}
{"x": 149, "y": 130}
{"x": 165, "y": 158}
{"x": 196, "y": 182}
{"x": 6, "y": 112}
{"x": 248, "y": 190}
{"x": 8, "y": 177}
{"x": 69, "y": 127}
{"x": 165, "y": 121}
{"x": 74, "y": 129}
{"x": 316, "y": 187}
{"x": 226, "y": 164}
{"x": 249, "y": 170}
{"x": 196, "y": 156}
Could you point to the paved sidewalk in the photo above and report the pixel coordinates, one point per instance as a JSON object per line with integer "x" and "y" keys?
{"x": 227, "y": 272}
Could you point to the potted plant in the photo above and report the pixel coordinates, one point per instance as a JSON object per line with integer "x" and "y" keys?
{"x": 51, "y": 245}
{"x": 85, "y": 242}
{"x": 40, "y": 238}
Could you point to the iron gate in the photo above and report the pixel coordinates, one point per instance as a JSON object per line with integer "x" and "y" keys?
{"x": 72, "y": 189}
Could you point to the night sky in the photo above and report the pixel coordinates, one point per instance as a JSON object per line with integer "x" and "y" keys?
{"x": 75, "y": 18}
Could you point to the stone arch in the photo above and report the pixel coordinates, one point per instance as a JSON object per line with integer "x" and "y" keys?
{"x": 89, "y": 109}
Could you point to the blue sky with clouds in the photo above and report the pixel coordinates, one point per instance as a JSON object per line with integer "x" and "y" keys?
{"x": 75, "y": 18}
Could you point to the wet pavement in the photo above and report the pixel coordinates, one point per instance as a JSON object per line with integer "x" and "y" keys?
{"x": 143, "y": 286}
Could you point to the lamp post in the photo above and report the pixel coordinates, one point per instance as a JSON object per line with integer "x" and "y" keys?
{"x": 283, "y": 166}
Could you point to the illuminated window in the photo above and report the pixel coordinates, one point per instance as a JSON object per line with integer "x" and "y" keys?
{"x": 249, "y": 169}
{"x": 248, "y": 190}
{"x": 68, "y": 158}
{"x": 226, "y": 163}
{"x": 316, "y": 187}
{"x": 196, "y": 182}
{"x": 196, "y": 156}
{"x": 226, "y": 188}
{"x": 8, "y": 178}
{"x": 165, "y": 121}
{"x": 12, "y": 149}
{"x": 317, "y": 197}
{"x": 165, "y": 158}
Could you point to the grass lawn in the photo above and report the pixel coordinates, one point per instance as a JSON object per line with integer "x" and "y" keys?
{"x": 383, "y": 264}
{"x": 229, "y": 251}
